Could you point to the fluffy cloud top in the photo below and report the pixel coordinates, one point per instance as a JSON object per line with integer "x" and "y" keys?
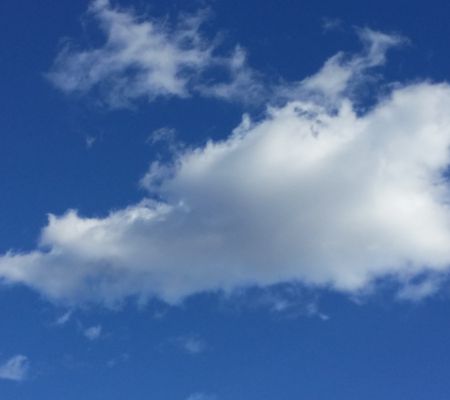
{"x": 314, "y": 192}
{"x": 150, "y": 58}
{"x": 15, "y": 368}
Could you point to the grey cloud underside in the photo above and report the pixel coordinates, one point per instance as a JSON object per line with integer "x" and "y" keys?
{"x": 314, "y": 193}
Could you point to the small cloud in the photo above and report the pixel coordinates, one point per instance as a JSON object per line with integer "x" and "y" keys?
{"x": 189, "y": 344}
{"x": 63, "y": 319}
{"x": 201, "y": 396}
{"x": 331, "y": 24}
{"x": 164, "y": 134}
{"x": 192, "y": 344}
{"x": 312, "y": 310}
{"x": 419, "y": 289}
{"x": 93, "y": 332}
{"x": 159, "y": 314}
{"x": 15, "y": 369}
{"x": 282, "y": 301}
{"x": 118, "y": 360}
{"x": 280, "y": 304}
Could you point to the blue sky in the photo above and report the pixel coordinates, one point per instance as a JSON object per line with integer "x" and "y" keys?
{"x": 224, "y": 200}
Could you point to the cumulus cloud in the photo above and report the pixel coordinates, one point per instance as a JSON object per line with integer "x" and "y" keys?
{"x": 321, "y": 195}
{"x": 150, "y": 58}
{"x": 15, "y": 369}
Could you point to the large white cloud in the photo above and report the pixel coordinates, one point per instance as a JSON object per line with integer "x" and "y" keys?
{"x": 314, "y": 192}
{"x": 15, "y": 369}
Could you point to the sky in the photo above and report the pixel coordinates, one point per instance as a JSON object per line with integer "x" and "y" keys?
{"x": 224, "y": 200}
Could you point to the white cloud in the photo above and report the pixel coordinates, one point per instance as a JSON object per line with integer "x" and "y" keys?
{"x": 63, "y": 319}
{"x": 283, "y": 301}
{"x": 331, "y": 24}
{"x": 323, "y": 196}
{"x": 163, "y": 134}
{"x": 165, "y": 137}
{"x": 15, "y": 368}
{"x": 149, "y": 58}
{"x": 93, "y": 332}
{"x": 90, "y": 141}
{"x": 201, "y": 396}
{"x": 191, "y": 344}
{"x": 342, "y": 74}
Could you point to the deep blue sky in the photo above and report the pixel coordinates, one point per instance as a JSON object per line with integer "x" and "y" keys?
{"x": 377, "y": 348}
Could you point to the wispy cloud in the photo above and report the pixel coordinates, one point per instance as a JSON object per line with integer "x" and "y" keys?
{"x": 90, "y": 141}
{"x": 342, "y": 75}
{"x": 113, "y": 362}
{"x": 15, "y": 369}
{"x": 283, "y": 301}
{"x": 330, "y": 24}
{"x": 64, "y": 318}
{"x": 143, "y": 57}
{"x": 93, "y": 332}
{"x": 201, "y": 396}
{"x": 151, "y": 58}
{"x": 418, "y": 287}
{"x": 191, "y": 344}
